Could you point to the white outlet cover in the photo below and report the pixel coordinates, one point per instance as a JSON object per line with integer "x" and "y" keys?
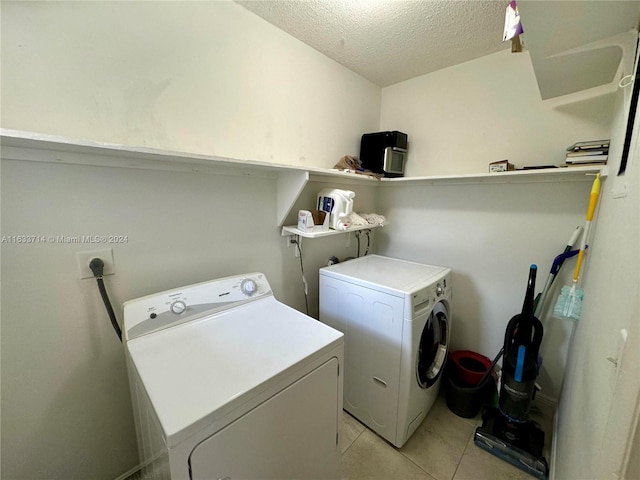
{"x": 83, "y": 259}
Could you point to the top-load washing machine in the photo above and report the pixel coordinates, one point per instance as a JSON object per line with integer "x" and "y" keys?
{"x": 227, "y": 382}
{"x": 396, "y": 318}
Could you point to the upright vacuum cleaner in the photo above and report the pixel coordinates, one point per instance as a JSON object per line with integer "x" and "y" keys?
{"x": 507, "y": 431}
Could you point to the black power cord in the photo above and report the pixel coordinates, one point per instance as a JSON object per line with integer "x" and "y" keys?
{"x": 97, "y": 267}
{"x": 366, "y": 252}
{"x": 358, "y": 233}
{"x": 304, "y": 280}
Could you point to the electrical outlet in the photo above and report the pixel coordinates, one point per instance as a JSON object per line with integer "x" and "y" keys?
{"x": 84, "y": 258}
{"x": 292, "y": 241}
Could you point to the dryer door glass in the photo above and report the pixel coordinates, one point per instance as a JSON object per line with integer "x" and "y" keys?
{"x": 433, "y": 347}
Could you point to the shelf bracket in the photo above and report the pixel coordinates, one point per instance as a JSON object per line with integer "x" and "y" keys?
{"x": 290, "y": 185}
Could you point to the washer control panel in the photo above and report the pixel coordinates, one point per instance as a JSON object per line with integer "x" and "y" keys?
{"x": 249, "y": 287}
{"x": 162, "y": 310}
{"x": 443, "y": 286}
{"x": 425, "y": 298}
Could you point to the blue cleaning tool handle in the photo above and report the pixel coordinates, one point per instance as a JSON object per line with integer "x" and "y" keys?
{"x": 520, "y": 362}
{"x": 559, "y": 260}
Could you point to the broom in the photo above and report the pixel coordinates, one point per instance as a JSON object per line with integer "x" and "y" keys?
{"x": 569, "y": 304}
{"x": 538, "y": 304}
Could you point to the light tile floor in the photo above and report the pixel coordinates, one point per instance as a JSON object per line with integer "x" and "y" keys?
{"x": 442, "y": 449}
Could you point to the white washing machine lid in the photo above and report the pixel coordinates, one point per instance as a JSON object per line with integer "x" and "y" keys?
{"x": 399, "y": 277}
{"x": 199, "y": 371}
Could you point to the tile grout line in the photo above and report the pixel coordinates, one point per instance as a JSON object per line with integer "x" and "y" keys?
{"x": 419, "y": 467}
{"x": 354, "y": 441}
{"x": 469, "y": 422}
{"x": 466, "y": 447}
{"x": 394, "y": 448}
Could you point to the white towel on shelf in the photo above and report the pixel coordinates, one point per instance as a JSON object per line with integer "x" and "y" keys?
{"x": 364, "y": 219}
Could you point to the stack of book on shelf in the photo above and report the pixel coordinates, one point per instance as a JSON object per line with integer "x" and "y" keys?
{"x": 594, "y": 152}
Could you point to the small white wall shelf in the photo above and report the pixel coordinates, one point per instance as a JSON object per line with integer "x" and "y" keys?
{"x": 546, "y": 175}
{"x": 291, "y": 180}
{"x": 292, "y": 230}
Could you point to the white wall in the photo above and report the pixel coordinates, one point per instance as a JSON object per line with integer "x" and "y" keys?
{"x": 462, "y": 118}
{"x": 65, "y": 409}
{"x": 212, "y": 78}
{"x": 488, "y": 235}
{"x": 599, "y": 406}
{"x": 633, "y": 467}
{"x": 459, "y": 120}
{"x": 201, "y": 77}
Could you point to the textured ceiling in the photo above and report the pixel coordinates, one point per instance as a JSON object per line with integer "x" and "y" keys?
{"x": 389, "y": 41}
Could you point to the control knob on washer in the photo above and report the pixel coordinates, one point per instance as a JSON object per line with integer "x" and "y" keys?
{"x": 249, "y": 287}
{"x": 178, "y": 307}
{"x": 439, "y": 290}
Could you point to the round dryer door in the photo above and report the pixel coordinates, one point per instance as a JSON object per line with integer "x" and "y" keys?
{"x": 432, "y": 351}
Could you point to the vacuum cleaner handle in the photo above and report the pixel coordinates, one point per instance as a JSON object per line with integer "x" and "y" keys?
{"x": 513, "y": 335}
{"x": 527, "y": 306}
{"x": 538, "y": 331}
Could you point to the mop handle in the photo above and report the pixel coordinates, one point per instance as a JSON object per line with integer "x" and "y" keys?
{"x": 593, "y": 201}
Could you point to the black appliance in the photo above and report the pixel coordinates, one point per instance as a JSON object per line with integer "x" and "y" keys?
{"x": 507, "y": 431}
{"x": 384, "y": 153}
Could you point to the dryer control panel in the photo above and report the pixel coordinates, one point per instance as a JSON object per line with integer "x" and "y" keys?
{"x": 163, "y": 310}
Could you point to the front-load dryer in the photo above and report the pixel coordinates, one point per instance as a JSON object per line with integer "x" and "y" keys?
{"x": 396, "y": 318}
{"x": 227, "y": 382}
